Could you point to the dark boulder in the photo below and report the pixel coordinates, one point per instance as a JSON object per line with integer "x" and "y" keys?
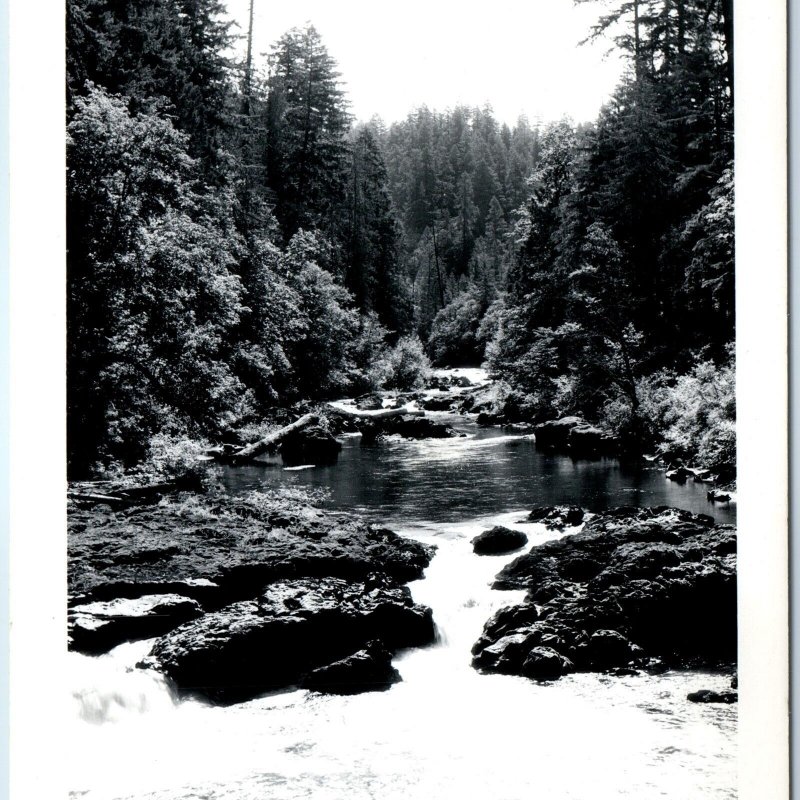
{"x": 511, "y": 619}
{"x": 653, "y": 588}
{"x": 586, "y": 441}
{"x": 409, "y": 427}
{"x": 437, "y": 382}
{"x": 498, "y": 540}
{"x": 291, "y": 629}
{"x": 506, "y": 655}
{"x": 608, "y": 649}
{"x": 557, "y": 517}
{"x": 314, "y": 445}
{"x": 342, "y": 423}
{"x": 98, "y": 626}
{"x": 709, "y": 696}
{"x": 441, "y": 402}
{"x": 545, "y": 664}
{"x": 679, "y": 474}
{"x": 482, "y": 398}
{"x": 369, "y": 402}
{"x": 486, "y": 418}
{"x": 716, "y": 496}
{"x": 417, "y": 428}
{"x": 368, "y": 670}
{"x": 555, "y": 432}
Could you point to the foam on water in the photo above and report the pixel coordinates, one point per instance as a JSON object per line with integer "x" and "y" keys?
{"x": 446, "y": 731}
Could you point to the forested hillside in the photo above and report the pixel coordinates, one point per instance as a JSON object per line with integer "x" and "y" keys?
{"x": 238, "y": 241}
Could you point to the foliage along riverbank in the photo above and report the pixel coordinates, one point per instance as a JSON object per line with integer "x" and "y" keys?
{"x": 238, "y": 243}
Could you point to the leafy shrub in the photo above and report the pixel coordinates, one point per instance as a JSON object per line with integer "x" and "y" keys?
{"x": 172, "y": 457}
{"x": 694, "y": 414}
{"x": 453, "y": 340}
{"x": 369, "y": 357}
{"x": 326, "y": 324}
{"x": 407, "y": 365}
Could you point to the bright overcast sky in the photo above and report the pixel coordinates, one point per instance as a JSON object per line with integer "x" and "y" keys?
{"x": 521, "y": 56}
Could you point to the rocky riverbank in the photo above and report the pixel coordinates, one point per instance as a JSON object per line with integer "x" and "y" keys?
{"x": 636, "y": 588}
{"x": 248, "y": 594}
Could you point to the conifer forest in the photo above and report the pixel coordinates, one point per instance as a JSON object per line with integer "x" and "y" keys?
{"x": 401, "y": 451}
{"x": 239, "y": 242}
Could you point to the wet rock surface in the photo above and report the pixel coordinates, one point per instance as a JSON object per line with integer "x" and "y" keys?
{"x": 555, "y": 433}
{"x": 97, "y": 627}
{"x": 557, "y": 517}
{"x": 498, "y": 540}
{"x": 483, "y": 398}
{"x": 291, "y": 629}
{"x": 710, "y": 696}
{"x": 440, "y": 402}
{"x": 575, "y": 436}
{"x": 636, "y": 588}
{"x": 179, "y": 561}
{"x": 406, "y": 426}
{"x": 314, "y": 445}
{"x": 369, "y": 402}
{"x": 368, "y": 670}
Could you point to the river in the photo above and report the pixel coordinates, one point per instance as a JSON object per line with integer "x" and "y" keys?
{"x": 445, "y": 731}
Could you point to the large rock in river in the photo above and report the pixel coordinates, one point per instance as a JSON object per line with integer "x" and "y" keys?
{"x": 290, "y": 630}
{"x": 498, "y": 540}
{"x": 557, "y": 517}
{"x": 97, "y": 627}
{"x": 555, "y": 432}
{"x": 200, "y": 554}
{"x": 587, "y": 441}
{"x": 313, "y": 445}
{"x": 636, "y": 587}
{"x": 369, "y": 402}
{"x": 575, "y": 436}
{"x": 710, "y": 696}
{"x": 438, "y": 402}
{"x": 368, "y": 670}
{"x": 409, "y": 427}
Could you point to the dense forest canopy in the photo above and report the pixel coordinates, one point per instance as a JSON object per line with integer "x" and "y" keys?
{"x": 237, "y": 241}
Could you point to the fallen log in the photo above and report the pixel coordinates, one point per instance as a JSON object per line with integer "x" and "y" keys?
{"x": 376, "y": 415}
{"x": 110, "y": 499}
{"x": 128, "y": 495}
{"x": 153, "y": 491}
{"x": 271, "y": 440}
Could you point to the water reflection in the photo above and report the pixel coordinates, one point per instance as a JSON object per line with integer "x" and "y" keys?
{"x": 451, "y": 479}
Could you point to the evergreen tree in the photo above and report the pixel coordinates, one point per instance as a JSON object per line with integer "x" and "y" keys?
{"x": 173, "y": 50}
{"x": 373, "y": 247}
{"x": 306, "y": 123}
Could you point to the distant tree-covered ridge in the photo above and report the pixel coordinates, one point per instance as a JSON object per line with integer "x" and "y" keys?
{"x": 237, "y": 241}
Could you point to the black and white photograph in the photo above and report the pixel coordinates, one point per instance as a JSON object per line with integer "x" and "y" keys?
{"x": 400, "y": 401}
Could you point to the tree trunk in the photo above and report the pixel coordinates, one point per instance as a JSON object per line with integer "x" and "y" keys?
{"x": 727, "y": 30}
{"x": 636, "y": 42}
{"x": 438, "y": 269}
{"x": 248, "y": 69}
{"x": 271, "y": 440}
